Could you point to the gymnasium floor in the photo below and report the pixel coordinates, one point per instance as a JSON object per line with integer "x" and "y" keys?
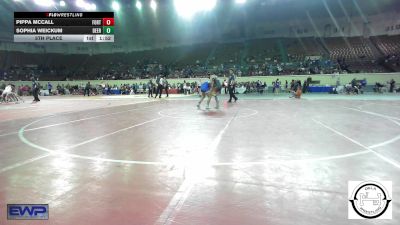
{"x": 134, "y": 161}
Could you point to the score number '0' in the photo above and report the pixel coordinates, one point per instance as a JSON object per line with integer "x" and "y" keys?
{"x": 108, "y": 30}
{"x": 108, "y": 21}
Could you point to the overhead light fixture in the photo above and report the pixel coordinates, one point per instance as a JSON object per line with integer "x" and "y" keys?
{"x": 44, "y": 2}
{"x": 85, "y": 5}
{"x": 188, "y": 8}
{"x": 115, "y": 5}
{"x": 138, "y": 5}
{"x": 153, "y": 5}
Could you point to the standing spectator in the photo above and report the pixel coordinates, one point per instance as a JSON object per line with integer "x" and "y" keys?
{"x": 265, "y": 86}
{"x": 392, "y": 83}
{"x": 108, "y": 89}
{"x": 226, "y": 86}
{"x": 150, "y": 87}
{"x": 273, "y": 86}
{"x": 277, "y": 86}
{"x": 166, "y": 86}
{"x": 154, "y": 88}
{"x": 286, "y": 85}
{"x": 304, "y": 87}
{"x": 87, "y": 89}
{"x": 49, "y": 87}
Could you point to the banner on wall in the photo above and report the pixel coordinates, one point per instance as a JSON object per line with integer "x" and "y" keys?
{"x": 313, "y": 57}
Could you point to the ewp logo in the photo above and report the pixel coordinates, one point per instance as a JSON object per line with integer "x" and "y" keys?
{"x": 27, "y": 211}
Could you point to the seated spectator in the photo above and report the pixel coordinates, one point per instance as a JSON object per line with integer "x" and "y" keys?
{"x": 378, "y": 87}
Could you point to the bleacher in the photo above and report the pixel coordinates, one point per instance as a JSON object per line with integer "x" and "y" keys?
{"x": 259, "y": 49}
{"x": 298, "y": 48}
{"x": 228, "y": 53}
{"x": 250, "y": 55}
{"x": 388, "y": 45}
{"x": 351, "y": 49}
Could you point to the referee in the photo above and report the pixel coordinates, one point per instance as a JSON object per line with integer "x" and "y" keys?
{"x": 159, "y": 83}
{"x": 35, "y": 90}
{"x": 231, "y": 87}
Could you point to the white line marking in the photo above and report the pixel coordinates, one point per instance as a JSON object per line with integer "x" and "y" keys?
{"x": 277, "y": 161}
{"x": 173, "y": 163}
{"x": 87, "y": 118}
{"x": 393, "y": 162}
{"x": 23, "y": 163}
{"x": 12, "y": 108}
{"x": 74, "y": 121}
{"x": 104, "y": 98}
{"x": 255, "y": 112}
{"x": 183, "y": 117}
{"x": 392, "y": 119}
{"x": 217, "y": 139}
{"x": 215, "y": 143}
{"x": 373, "y": 113}
{"x": 385, "y": 142}
{"x": 53, "y": 152}
{"x": 162, "y": 113}
{"x": 176, "y": 203}
{"x": 112, "y": 133}
{"x": 26, "y": 141}
{"x": 85, "y": 109}
{"x": 32, "y": 110}
{"x": 361, "y": 106}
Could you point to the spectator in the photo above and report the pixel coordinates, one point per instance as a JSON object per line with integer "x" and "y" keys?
{"x": 392, "y": 84}
{"x": 49, "y": 87}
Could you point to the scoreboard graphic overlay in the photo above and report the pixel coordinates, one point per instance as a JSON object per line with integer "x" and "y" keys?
{"x": 63, "y": 26}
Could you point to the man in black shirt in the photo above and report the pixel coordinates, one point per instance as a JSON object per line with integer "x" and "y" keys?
{"x": 231, "y": 87}
{"x": 150, "y": 86}
{"x": 159, "y": 84}
{"x": 87, "y": 89}
{"x": 392, "y": 84}
{"x": 35, "y": 90}
{"x": 166, "y": 86}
